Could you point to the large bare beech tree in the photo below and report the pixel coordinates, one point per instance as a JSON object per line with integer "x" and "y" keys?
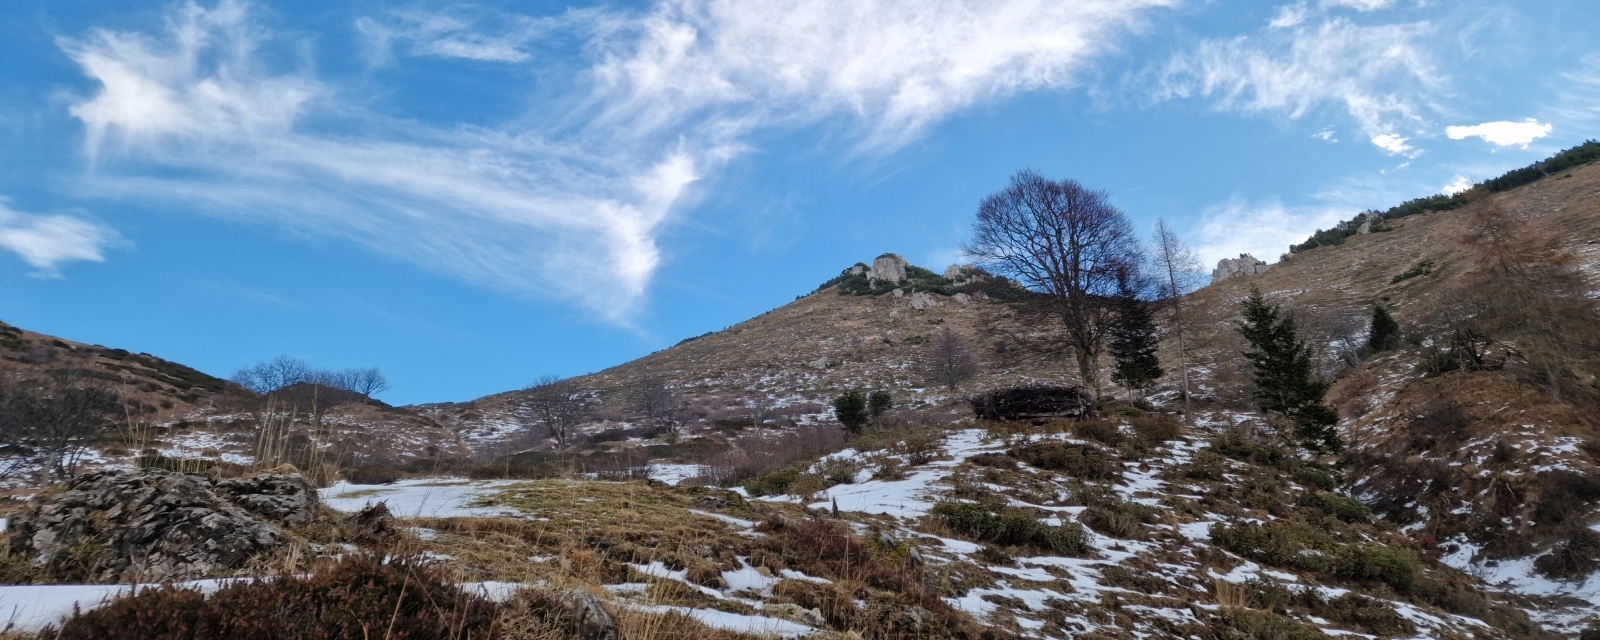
{"x": 1063, "y": 240}
{"x": 558, "y": 404}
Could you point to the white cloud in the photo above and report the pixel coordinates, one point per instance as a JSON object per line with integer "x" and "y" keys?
{"x": 1289, "y": 15}
{"x": 47, "y": 241}
{"x": 1578, "y": 101}
{"x": 1502, "y": 133}
{"x": 1262, "y": 229}
{"x": 1326, "y": 135}
{"x": 466, "y": 33}
{"x": 1359, "y": 5}
{"x": 573, "y": 213}
{"x": 894, "y": 67}
{"x": 498, "y": 207}
{"x": 1392, "y": 143}
{"x": 1382, "y": 75}
{"x": 1460, "y": 184}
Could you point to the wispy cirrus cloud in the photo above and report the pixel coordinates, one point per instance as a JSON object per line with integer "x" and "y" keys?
{"x": 191, "y": 112}
{"x": 894, "y": 68}
{"x": 1382, "y": 76}
{"x": 45, "y": 242}
{"x": 1263, "y": 229}
{"x": 494, "y": 206}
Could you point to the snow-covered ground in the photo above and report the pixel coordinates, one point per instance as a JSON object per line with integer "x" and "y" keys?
{"x": 419, "y": 498}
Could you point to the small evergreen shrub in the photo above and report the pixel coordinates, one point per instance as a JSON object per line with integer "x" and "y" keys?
{"x": 1012, "y": 528}
{"x": 1416, "y": 271}
{"x": 1336, "y": 506}
{"x": 1076, "y": 460}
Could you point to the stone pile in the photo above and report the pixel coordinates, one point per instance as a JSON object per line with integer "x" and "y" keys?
{"x": 151, "y": 525}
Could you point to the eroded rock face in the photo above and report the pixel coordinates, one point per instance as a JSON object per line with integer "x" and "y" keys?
{"x": 889, "y": 266}
{"x": 153, "y": 525}
{"x": 1244, "y": 265}
{"x": 960, "y": 274}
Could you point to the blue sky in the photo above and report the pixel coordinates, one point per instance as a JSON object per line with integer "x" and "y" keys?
{"x": 471, "y": 195}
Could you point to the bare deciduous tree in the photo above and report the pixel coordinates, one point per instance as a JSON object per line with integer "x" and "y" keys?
{"x": 950, "y": 360}
{"x": 368, "y": 382}
{"x": 272, "y": 375}
{"x": 52, "y": 421}
{"x": 1065, "y": 241}
{"x": 659, "y": 403}
{"x": 558, "y": 404}
{"x": 284, "y": 371}
{"x": 1177, "y": 272}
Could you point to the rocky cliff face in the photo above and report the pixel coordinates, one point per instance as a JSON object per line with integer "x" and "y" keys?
{"x": 889, "y": 267}
{"x": 1244, "y": 265}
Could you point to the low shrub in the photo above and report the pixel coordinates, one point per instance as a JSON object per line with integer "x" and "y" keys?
{"x": 1417, "y": 270}
{"x": 372, "y": 474}
{"x": 1256, "y": 453}
{"x": 773, "y": 483}
{"x": 1335, "y": 506}
{"x": 1244, "y": 624}
{"x": 358, "y": 598}
{"x": 1573, "y": 558}
{"x": 1274, "y": 544}
{"x": 1076, "y": 460}
{"x": 1012, "y": 528}
{"x": 1375, "y": 564}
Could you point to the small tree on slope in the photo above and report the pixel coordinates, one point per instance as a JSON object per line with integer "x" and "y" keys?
{"x": 1284, "y": 382}
{"x": 1385, "y": 333}
{"x": 1134, "y": 341}
{"x": 851, "y": 410}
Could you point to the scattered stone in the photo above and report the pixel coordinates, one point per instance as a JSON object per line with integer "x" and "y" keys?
{"x": 1244, "y": 265}
{"x": 155, "y": 525}
{"x": 898, "y": 292}
{"x": 795, "y": 613}
{"x": 923, "y": 300}
{"x": 961, "y": 299}
{"x": 588, "y": 617}
{"x": 819, "y": 363}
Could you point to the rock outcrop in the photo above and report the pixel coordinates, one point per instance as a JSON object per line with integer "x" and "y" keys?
{"x": 923, "y": 300}
{"x": 154, "y": 525}
{"x": 960, "y": 274}
{"x": 889, "y": 266}
{"x": 1244, "y": 265}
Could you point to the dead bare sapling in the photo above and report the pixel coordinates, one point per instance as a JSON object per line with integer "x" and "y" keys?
{"x": 950, "y": 360}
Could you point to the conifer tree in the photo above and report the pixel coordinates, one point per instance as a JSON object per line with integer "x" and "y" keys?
{"x": 878, "y": 403}
{"x": 1385, "y": 333}
{"x": 1134, "y": 341}
{"x": 851, "y": 410}
{"x": 1284, "y": 381}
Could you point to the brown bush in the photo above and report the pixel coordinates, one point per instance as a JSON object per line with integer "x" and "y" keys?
{"x": 372, "y": 474}
{"x": 358, "y": 598}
